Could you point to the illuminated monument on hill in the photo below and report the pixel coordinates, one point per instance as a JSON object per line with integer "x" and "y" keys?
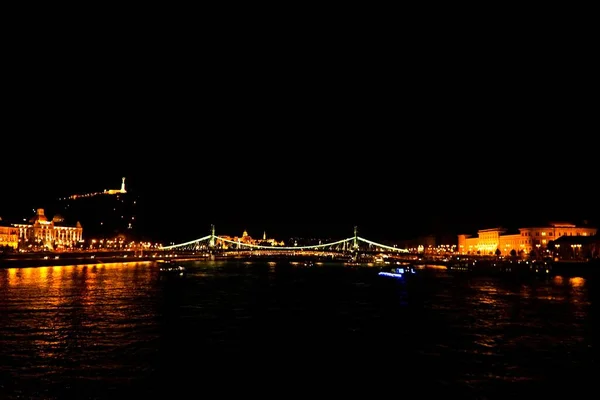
{"x": 105, "y": 214}
{"x": 117, "y": 191}
{"x": 92, "y": 194}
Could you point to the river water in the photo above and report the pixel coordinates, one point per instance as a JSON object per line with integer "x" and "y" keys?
{"x": 274, "y": 330}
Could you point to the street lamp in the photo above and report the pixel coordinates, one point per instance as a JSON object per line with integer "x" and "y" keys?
{"x": 576, "y": 250}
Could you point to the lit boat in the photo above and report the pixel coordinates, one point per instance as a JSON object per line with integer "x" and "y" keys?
{"x": 168, "y": 267}
{"x": 172, "y": 268}
{"x": 399, "y": 272}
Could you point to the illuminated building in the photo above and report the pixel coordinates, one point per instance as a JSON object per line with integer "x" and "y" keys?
{"x": 50, "y": 234}
{"x": 265, "y": 241}
{"x": 269, "y": 241}
{"x": 247, "y": 239}
{"x": 488, "y": 241}
{"x": 106, "y": 215}
{"x": 9, "y": 236}
{"x": 433, "y": 243}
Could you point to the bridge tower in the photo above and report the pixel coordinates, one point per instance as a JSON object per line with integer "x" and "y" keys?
{"x": 211, "y": 243}
{"x": 355, "y": 241}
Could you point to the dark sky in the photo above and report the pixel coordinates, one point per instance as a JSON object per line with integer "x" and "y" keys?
{"x": 315, "y": 140}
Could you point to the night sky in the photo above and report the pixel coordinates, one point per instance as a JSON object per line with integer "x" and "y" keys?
{"x": 308, "y": 146}
{"x": 390, "y": 192}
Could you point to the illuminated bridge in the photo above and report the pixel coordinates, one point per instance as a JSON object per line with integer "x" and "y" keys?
{"x": 215, "y": 244}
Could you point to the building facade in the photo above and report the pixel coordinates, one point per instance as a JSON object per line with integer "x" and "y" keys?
{"x": 246, "y": 239}
{"x": 50, "y": 234}
{"x": 488, "y": 241}
{"x": 9, "y": 236}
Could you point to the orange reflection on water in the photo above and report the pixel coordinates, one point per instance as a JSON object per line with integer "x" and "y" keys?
{"x": 43, "y": 273}
{"x": 432, "y": 266}
{"x": 577, "y": 281}
{"x": 12, "y": 276}
{"x": 46, "y": 275}
{"x": 69, "y": 308}
{"x": 487, "y": 294}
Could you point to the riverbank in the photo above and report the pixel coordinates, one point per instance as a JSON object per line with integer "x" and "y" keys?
{"x": 51, "y": 259}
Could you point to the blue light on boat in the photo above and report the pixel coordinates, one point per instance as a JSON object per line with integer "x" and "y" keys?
{"x": 391, "y": 274}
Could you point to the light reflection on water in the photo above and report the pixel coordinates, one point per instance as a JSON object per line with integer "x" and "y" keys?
{"x": 65, "y": 322}
{"x": 98, "y": 330}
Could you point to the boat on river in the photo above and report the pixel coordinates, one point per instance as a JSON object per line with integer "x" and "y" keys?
{"x": 169, "y": 267}
{"x": 398, "y": 272}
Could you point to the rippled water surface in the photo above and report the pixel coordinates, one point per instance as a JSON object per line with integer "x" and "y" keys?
{"x": 126, "y": 331}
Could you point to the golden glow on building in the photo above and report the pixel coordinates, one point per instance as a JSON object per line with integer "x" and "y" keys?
{"x": 488, "y": 241}
{"x": 247, "y": 239}
{"x": 9, "y": 237}
{"x": 50, "y": 234}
